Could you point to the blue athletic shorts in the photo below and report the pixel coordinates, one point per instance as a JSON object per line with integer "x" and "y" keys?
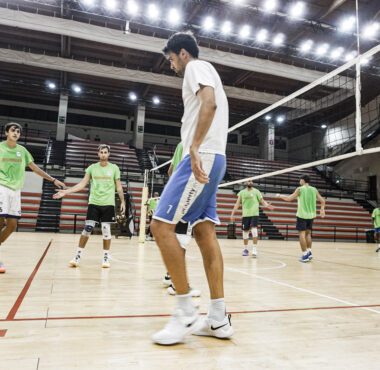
{"x": 185, "y": 199}
{"x": 377, "y": 229}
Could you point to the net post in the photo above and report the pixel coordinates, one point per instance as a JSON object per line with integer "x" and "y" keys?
{"x": 358, "y": 117}
{"x": 144, "y": 199}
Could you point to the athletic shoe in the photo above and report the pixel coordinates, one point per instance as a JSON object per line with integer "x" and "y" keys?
{"x": 178, "y": 326}
{"x": 245, "y": 252}
{"x": 75, "y": 261}
{"x": 106, "y": 262}
{"x": 167, "y": 281}
{"x": 304, "y": 258}
{"x": 254, "y": 254}
{"x": 378, "y": 249}
{"x": 2, "y": 268}
{"x": 213, "y": 328}
{"x": 194, "y": 292}
{"x": 310, "y": 256}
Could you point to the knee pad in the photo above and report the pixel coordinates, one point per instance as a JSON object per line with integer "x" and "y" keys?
{"x": 88, "y": 228}
{"x": 254, "y": 232}
{"x": 106, "y": 231}
{"x": 184, "y": 240}
{"x": 245, "y": 234}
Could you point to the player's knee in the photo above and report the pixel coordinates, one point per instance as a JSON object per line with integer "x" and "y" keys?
{"x": 106, "y": 231}
{"x": 88, "y": 228}
{"x": 254, "y": 232}
{"x": 245, "y": 234}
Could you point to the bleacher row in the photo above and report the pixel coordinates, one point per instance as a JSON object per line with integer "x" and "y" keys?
{"x": 243, "y": 167}
{"x": 345, "y": 219}
{"x": 81, "y": 153}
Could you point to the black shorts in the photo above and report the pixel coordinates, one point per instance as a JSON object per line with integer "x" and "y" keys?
{"x": 249, "y": 222}
{"x": 181, "y": 228}
{"x": 304, "y": 224}
{"x": 100, "y": 213}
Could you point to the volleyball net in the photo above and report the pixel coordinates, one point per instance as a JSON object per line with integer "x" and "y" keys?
{"x": 324, "y": 122}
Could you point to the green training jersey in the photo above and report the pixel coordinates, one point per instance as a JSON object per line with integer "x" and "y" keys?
{"x": 250, "y": 200}
{"x": 376, "y": 217}
{"x": 102, "y": 190}
{"x": 12, "y": 165}
{"x": 177, "y": 157}
{"x": 307, "y": 202}
{"x": 152, "y": 204}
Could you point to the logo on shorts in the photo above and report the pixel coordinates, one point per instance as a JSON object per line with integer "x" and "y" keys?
{"x": 18, "y": 154}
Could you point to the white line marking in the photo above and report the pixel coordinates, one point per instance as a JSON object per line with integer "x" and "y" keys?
{"x": 301, "y": 289}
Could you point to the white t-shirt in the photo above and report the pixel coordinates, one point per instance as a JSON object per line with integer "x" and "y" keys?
{"x": 198, "y": 73}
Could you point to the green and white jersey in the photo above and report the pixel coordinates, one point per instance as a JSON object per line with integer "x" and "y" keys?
{"x": 250, "y": 201}
{"x": 12, "y": 165}
{"x": 376, "y": 217}
{"x": 102, "y": 191}
{"x": 177, "y": 157}
{"x": 307, "y": 202}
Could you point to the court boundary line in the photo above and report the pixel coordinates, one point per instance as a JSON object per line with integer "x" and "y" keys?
{"x": 12, "y": 313}
{"x": 204, "y": 313}
{"x": 330, "y": 262}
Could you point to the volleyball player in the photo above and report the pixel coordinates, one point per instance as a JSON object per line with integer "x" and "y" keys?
{"x": 376, "y": 224}
{"x": 104, "y": 177}
{"x": 190, "y": 194}
{"x": 250, "y": 199}
{"x": 152, "y": 205}
{"x": 14, "y": 159}
{"x": 306, "y": 213}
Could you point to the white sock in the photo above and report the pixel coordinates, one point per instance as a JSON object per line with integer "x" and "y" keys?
{"x": 80, "y": 252}
{"x": 185, "y": 303}
{"x": 105, "y": 252}
{"x": 254, "y": 247}
{"x": 305, "y": 253}
{"x": 308, "y": 250}
{"x": 217, "y": 309}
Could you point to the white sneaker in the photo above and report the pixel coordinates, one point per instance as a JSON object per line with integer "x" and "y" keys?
{"x": 106, "y": 262}
{"x": 167, "y": 281}
{"x": 254, "y": 254}
{"x": 178, "y": 326}
{"x": 212, "y": 328}
{"x": 194, "y": 292}
{"x": 75, "y": 261}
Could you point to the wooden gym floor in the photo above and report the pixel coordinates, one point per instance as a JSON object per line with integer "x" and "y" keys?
{"x": 286, "y": 315}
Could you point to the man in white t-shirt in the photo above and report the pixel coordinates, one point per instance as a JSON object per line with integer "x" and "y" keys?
{"x": 190, "y": 194}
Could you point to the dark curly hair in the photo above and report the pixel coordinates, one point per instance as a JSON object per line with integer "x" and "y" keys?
{"x": 182, "y": 40}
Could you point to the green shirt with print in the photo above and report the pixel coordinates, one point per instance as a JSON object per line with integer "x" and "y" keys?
{"x": 376, "y": 217}
{"x": 12, "y": 165}
{"x": 102, "y": 191}
{"x": 177, "y": 157}
{"x": 307, "y": 202}
{"x": 250, "y": 200}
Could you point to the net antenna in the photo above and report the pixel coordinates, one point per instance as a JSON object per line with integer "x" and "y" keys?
{"x": 144, "y": 199}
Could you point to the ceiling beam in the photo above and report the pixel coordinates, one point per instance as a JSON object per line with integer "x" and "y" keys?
{"x": 67, "y": 27}
{"x": 335, "y": 5}
{"x": 125, "y": 74}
